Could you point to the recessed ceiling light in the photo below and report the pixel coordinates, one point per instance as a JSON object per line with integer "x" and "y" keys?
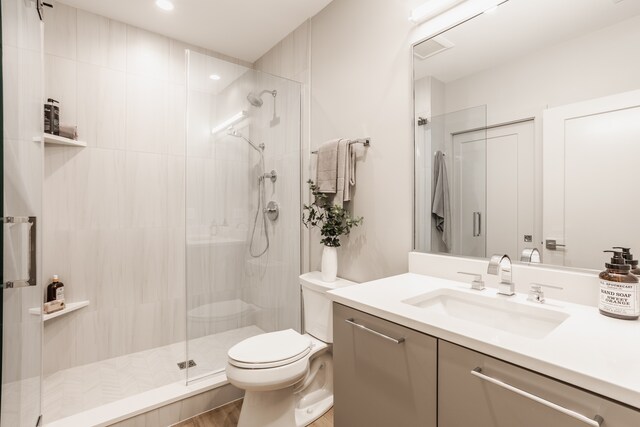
{"x": 164, "y": 4}
{"x": 214, "y": 77}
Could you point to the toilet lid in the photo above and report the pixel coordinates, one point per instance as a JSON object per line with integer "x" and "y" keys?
{"x": 270, "y": 350}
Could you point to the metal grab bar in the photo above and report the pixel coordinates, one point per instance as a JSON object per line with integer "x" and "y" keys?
{"x": 594, "y": 422}
{"x": 381, "y": 335}
{"x": 31, "y": 280}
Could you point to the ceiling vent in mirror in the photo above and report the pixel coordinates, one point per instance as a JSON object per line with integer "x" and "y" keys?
{"x": 431, "y": 47}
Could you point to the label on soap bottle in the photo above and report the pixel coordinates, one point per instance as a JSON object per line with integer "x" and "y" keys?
{"x": 619, "y": 298}
{"x": 60, "y": 293}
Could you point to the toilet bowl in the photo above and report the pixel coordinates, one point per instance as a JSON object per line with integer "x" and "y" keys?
{"x": 288, "y": 376}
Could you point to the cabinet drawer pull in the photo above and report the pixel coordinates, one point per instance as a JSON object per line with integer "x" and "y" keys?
{"x": 364, "y": 328}
{"x": 595, "y": 422}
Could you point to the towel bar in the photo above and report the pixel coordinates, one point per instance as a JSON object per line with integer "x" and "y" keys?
{"x": 364, "y": 141}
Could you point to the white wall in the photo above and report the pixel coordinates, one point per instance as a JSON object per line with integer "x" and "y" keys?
{"x": 361, "y": 85}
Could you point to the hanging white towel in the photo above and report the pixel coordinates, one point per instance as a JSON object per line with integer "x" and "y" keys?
{"x": 343, "y": 166}
{"x": 327, "y": 167}
{"x": 350, "y": 171}
{"x": 441, "y": 206}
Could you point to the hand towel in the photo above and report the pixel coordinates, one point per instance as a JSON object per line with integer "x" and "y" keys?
{"x": 441, "y": 206}
{"x": 344, "y": 148}
{"x": 68, "y": 131}
{"x": 327, "y": 167}
{"x": 350, "y": 171}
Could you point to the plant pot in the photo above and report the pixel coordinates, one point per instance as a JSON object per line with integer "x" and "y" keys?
{"x": 329, "y": 264}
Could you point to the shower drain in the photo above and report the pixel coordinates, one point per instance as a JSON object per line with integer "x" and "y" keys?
{"x": 183, "y": 365}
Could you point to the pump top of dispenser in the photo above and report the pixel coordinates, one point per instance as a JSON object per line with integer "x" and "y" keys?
{"x": 51, "y": 100}
{"x": 617, "y": 262}
{"x": 628, "y": 256}
{"x": 55, "y": 278}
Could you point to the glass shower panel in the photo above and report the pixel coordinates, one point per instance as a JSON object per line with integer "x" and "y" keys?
{"x": 22, "y": 127}
{"x": 242, "y": 170}
{"x": 450, "y": 192}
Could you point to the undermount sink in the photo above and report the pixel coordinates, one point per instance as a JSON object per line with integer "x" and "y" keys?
{"x": 491, "y": 311}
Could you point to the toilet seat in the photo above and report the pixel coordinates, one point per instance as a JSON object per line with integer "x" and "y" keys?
{"x": 270, "y": 350}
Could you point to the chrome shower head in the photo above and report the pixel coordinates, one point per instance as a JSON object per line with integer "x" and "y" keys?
{"x": 256, "y": 100}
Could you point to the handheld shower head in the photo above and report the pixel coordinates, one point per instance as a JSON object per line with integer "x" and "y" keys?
{"x": 256, "y": 100}
{"x": 231, "y": 131}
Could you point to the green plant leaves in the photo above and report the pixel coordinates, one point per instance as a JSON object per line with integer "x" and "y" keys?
{"x": 334, "y": 221}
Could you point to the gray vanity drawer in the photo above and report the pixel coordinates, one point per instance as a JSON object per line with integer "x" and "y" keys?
{"x": 475, "y": 399}
{"x": 384, "y": 373}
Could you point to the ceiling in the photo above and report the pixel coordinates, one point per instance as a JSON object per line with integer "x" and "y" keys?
{"x": 243, "y": 29}
{"x": 517, "y": 28}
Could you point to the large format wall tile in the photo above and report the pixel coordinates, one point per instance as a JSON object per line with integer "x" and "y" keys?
{"x": 101, "y": 41}
{"x": 60, "y": 31}
{"x": 101, "y": 106}
{"x": 147, "y": 54}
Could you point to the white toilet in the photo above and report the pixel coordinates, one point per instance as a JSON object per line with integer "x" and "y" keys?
{"x": 288, "y": 377}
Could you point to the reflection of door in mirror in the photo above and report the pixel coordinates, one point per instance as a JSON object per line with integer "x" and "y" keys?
{"x": 494, "y": 190}
{"x": 591, "y": 152}
{"x": 469, "y": 194}
{"x": 510, "y": 189}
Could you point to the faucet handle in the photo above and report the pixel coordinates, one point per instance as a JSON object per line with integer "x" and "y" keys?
{"x": 477, "y": 283}
{"x": 536, "y": 294}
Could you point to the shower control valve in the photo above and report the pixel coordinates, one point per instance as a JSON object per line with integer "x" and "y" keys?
{"x": 273, "y": 176}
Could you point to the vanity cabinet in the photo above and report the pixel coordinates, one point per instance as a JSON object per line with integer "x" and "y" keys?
{"x": 480, "y": 391}
{"x": 384, "y": 374}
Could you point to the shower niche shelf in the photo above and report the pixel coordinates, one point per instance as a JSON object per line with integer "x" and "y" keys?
{"x": 72, "y": 306}
{"x": 60, "y": 140}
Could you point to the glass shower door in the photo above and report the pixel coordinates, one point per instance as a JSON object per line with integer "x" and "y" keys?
{"x": 22, "y": 176}
{"x": 242, "y": 208}
{"x": 450, "y": 176}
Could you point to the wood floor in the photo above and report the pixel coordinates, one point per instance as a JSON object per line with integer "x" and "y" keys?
{"x": 227, "y": 416}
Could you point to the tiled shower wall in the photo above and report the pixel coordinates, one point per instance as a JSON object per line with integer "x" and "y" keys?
{"x": 114, "y": 210}
{"x": 290, "y": 59}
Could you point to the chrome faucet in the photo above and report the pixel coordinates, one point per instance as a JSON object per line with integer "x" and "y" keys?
{"x": 536, "y": 294}
{"x": 501, "y": 264}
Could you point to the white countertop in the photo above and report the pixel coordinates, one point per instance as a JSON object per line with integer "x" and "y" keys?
{"x": 589, "y": 350}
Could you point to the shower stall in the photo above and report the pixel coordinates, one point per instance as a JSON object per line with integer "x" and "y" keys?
{"x": 176, "y": 232}
{"x": 242, "y": 208}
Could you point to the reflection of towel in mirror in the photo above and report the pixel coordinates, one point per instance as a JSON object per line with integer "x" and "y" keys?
{"x": 327, "y": 167}
{"x": 16, "y": 251}
{"x": 440, "y": 206}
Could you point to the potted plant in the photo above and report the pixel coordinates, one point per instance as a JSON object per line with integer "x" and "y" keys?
{"x": 334, "y": 221}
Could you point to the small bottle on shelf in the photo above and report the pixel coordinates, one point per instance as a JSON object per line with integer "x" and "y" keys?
{"x": 55, "y": 290}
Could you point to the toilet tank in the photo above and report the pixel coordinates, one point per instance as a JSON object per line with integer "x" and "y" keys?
{"x": 318, "y": 320}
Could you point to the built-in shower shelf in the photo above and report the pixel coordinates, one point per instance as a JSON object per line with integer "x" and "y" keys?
{"x": 60, "y": 140}
{"x": 72, "y": 306}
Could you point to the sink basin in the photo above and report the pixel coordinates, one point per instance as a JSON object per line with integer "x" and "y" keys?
{"x": 491, "y": 311}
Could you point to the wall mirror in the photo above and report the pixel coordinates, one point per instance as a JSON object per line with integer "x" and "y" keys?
{"x": 527, "y": 133}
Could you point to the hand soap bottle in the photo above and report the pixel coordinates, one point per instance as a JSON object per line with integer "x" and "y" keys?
{"x": 55, "y": 290}
{"x": 628, "y": 259}
{"x": 619, "y": 290}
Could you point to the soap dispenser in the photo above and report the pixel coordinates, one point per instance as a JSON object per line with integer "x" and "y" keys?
{"x": 628, "y": 259}
{"x": 619, "y": 290}
{"x": 52, "y": 117}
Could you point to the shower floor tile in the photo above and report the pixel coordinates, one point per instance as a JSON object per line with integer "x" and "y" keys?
{"x": 78, "y": 389}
